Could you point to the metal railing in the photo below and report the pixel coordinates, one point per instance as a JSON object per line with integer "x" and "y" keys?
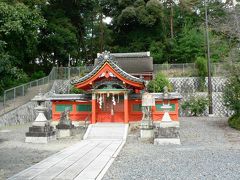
{"x": 22, "y": 94}
{"x": 19, "y": 95}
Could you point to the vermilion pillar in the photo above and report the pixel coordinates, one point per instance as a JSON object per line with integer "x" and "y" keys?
{"x": 126, "y": 120}
{"x": 74, "y": 111}
{"x": 93, "y": 108}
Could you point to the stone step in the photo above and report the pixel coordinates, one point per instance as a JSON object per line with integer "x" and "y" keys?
{"x": 107, "y": 131}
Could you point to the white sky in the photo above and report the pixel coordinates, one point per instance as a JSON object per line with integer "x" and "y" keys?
{"x": 107, "y": 20}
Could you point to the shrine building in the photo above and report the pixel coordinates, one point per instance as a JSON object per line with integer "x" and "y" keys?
{"x": 113, "y": 91}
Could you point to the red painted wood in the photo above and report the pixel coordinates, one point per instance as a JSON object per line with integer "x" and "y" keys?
{"x": 106, "y": 115}
{"x": 106, "y": 68}
{"x": 121, "y": 111}
{"x": 126, "y": 117}
{"x": 93, "y": 120}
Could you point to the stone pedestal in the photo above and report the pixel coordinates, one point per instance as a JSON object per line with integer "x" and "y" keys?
{"x": 41, "y": 131}
{"x": 62, "y": 133}
{"x": 38, "y": 134}
{"x": 65, "y": 128}
{"x": 147, "y": 133}
{"x": 167, "y": 133}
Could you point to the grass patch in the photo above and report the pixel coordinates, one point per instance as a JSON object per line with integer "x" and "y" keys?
{"x": 234, "y": 121}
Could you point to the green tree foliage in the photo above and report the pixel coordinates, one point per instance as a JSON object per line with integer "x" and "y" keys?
{"x": 232, "y": 96}
{"x": 190, "y": 45}
{"x": 19, "y": 29}
{"x": 38, "y": 75}
{"x": 201, "y": 65}
{"x": 158, "y": 83}
{"x": 232, "y": 90}
{"x": 59, "y": 37}
{"x": 39, "y": 34}
{"x": 10, "y": 74}
{"x": 19, "y": 32}
{"x": 75, "y": 90}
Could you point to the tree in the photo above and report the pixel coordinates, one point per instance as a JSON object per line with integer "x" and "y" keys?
{"x": 10, "y": 74}
{"x": 59, "y": 38}
{"x": 190, "y": 45}
{"x": 19, "y": 29}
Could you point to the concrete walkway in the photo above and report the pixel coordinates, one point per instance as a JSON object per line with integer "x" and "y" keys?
{"x": 88, "y": 159}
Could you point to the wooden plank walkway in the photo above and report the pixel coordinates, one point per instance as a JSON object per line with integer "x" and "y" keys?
{"x": 88, "y": 159}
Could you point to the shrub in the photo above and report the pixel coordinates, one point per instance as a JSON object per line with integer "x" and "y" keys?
{"x": 234, "y": 121}
{"x": 231, "y": 96}
{"x": 195, "y": 106}
{"x": 38, "y": 75}
{"x": 157, "y": 84}
{"x": 75, "y": 90}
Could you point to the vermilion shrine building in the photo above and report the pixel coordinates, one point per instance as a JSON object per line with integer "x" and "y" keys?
{"x": 113, "y": 91}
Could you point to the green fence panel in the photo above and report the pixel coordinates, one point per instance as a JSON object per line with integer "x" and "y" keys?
{"x": 137, "y": 107}
{"x": 159, "y": 107}
{"x": 63, "y": 107}
{"x": 84, "y": 107}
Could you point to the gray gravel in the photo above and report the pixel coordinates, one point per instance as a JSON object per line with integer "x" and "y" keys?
{"x": 209, "y": 150}
{"x": 16, "y": 155}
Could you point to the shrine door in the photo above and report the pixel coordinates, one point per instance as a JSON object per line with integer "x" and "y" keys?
{"x": 108, "y": 111}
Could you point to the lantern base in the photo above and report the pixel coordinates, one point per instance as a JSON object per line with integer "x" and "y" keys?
{"x": 147, "y": 134}
{"x": 167, "y": 141}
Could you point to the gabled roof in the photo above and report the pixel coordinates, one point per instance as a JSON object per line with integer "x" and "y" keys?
{"x": 138, "y": 62}
{"x": 107, "y": 59}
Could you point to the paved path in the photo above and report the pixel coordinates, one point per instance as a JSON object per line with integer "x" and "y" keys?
{"x": 88, "y": 159}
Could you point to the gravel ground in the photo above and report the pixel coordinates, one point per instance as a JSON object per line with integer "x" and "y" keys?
{"x": 209, "y": 150}
{"x": 16, "y": 155}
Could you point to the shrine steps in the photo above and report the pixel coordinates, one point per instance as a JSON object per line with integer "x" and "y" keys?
{"x": 117, "y": 131}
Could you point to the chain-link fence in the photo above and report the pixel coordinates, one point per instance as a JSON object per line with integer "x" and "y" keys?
{"x": 187, "y": 69}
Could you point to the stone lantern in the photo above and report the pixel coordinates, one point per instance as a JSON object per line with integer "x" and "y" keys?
{"x": 41, "y": 130}
{"x": 168, "y": 131}
{"x": 147, "y": 124}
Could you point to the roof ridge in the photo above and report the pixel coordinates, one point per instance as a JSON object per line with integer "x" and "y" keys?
{"x": 103, "y": 59}
{"x": 134, "y": 54}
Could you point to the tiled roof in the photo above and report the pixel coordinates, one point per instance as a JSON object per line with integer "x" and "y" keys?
{"x": 132, "y": 62}
{"x": 171, "y": 95}
{"x": 101, "y": 62}
{"x": 127, "y": 55}
{"x": 69, "y": 97}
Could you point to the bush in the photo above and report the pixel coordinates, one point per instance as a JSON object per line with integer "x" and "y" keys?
{"x": 38, "y": 75}
{"x": 75, "y": 90}
{"x": 234, "y": 121}
{"x": 195, "y": 106}
{"x": 231, "y": 96}
{"x": 157, "y": 84}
